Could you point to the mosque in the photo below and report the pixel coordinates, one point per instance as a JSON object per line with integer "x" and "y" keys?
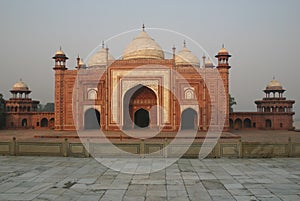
{"x": 144, "y": 89}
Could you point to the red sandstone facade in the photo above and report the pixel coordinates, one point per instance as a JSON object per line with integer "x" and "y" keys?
{"x": 130, "y": 91}
{"x": 143, "y": 89}
{"x": 273, "y": 112}
{"x": 21, "y": 111}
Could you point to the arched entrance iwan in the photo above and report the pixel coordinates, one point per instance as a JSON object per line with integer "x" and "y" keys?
{"x": 139, "y": 108}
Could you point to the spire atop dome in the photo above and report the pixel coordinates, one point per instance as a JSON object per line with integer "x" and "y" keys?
{"x": 143, "y": 27}
{"x": 184, "y": 43}
{"x": 223, "y": 50}
{"x": 60, "y": 52}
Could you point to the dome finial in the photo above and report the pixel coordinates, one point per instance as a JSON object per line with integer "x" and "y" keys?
{"x": 103, "y": 44}
{"x": 174, "y": 48}
{"x": 184, "y": 43}
{"x": 223, "y": 46}
{"x": 273, "y": 77}
{"x": 60, "y": 48}
{"x": 143, "y": 27}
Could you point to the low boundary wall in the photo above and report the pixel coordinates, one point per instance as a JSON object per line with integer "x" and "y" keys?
{"x": 236, "y": 149}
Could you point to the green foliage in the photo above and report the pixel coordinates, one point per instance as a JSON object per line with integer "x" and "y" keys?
{"x": 231, "y": 103}
{"x": 49, "y": 107}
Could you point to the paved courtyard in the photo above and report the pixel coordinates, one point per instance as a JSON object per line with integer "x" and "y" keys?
{"x": 58, "y": 178}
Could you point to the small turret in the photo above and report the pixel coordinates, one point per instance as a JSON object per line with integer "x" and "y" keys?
{"x": 60, "y": 60}
{"x": 223, "y": 58}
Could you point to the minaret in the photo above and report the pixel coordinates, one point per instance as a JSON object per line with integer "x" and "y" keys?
{"x": 223, "y": 68}
{"x": 203, "y": 60}
{"x": 78, "y": 62}
{"x": 59, "y": 94}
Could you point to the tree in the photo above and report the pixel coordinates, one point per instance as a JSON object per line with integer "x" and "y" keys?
{"x": 40, "y": 107}
{"x": 231, "y": 103}
{"x": 49, "y": 107}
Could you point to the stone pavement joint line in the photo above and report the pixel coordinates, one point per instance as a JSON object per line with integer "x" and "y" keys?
{"x": 84, "y": 179}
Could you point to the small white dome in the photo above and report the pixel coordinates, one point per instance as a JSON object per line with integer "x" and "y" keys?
{"x": 81, "y": 62}
{"x": 59, "y": 52}
{"x": 274, "y": 85}
{"x": 186, "y": 57}
{"x": 209, "y": 63}
{"x": 20, "y": 86}
{"x": 99, "y": 58}
{"x": 143, "y": 47}
{"x": 223, "y": 51}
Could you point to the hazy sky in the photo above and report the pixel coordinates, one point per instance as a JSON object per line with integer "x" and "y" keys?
{"x": 262, "y": 36}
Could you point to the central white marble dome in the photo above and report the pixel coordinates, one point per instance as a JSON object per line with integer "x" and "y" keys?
{"x": 143, "y": 47}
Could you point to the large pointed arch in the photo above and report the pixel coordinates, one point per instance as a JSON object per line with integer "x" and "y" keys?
{"x": 143, "y": 100}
